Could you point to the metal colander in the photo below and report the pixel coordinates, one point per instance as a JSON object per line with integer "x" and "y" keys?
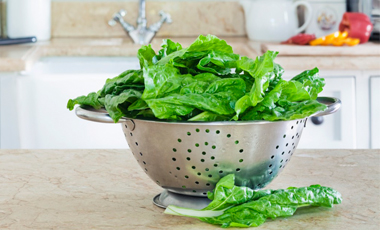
{"x": 189, "y": 158}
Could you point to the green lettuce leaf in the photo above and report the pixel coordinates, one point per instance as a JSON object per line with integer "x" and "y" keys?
{"x": 234, "y": 206}
{"x": 115, "y": 103}
{"x": 92, "y": 99}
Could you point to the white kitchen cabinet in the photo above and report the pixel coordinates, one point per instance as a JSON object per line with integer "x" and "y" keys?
{"x": 375, "y": 111}
{"x": 9, "y": 129}
{"x": 337, "y": 130}
{"x": 46, "y": 123}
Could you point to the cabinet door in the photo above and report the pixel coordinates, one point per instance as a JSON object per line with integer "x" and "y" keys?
{"x": 337, "y": 130}
{"x": 375, "y": 112}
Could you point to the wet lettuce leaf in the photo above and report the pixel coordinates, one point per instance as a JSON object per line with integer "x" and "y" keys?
{"x": 234, "y": 206}
{"x": 206, "y": 81}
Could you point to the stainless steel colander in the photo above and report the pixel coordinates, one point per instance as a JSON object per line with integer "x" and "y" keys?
{"x": 190, "y": 157}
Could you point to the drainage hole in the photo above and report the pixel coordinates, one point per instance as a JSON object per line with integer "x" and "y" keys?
{"x": 208, "y": 184}
{"x": 199, "y": 173}
{"x": 287, "y": 144}
{"x": 284, "y": 136}
{"x": 236, "y": 142}
{"x": 126, "y": 126}
{"x": 281, "y": 161}
{"x": 188, "y": 158}
{"x": 215, "y": 165}
{"x": 277, "y": 147}
{"x": 194, "y": 191}
{"x": 270, "y": 166}
{"x": 188, "y": 134}
{"x": 158, "y": 182}
{"x": 131, "y": 134}
{"x": 292, "y": 127}
{"x": 297, "y": 123}
{"x": 228, "y": 135}
{"x": 217, "y": 131}
{"x": 272, "y": 157}
{"x": 289, "y": 151}
{"x": 292, "y": 137}
{"x": 238, "y": 170}
{"x": 202, "y": 160}
{"x": 136, "y": 143}
{"x": 270, "y": 172}
{"x": 174, "y": 159}
{"x": 141, "y": 154}
{"x": 179, "y": 140}
{"x": 193, "y": 167}
{"x": 280, "y": 166}
{"x": 207, "y": 130}
{"x": 183, "y": 186}
{"x": 241, "y": 150}
{"x": 212, "y": 158}
{"x": 197, "y": 130}
{"x": 282, "y": 153}
{"x": 196, "y": 145}
{"x": 206, "y": 143}
{"x": 196, "y": 182}
{"x": 144, "y": 162}
{"x": 213, "y": 147}
{"x": 221, "y": 171}
{"x": 241, "y": 160}
{"x": 209, "y": 175}
{"x": 207, "y": 169}
{"x": 189, "y": 150}
{"x": 178, "y": 168}
{"x": 146, "y": 170}
{"x": 292, "y": 143}
{"x": 203, "y": 153}
{"x": 286, "y": 160}
{"x": 204, "y": 193}
{"x": 174, "y": 150}
{"x": 187, "y": 177}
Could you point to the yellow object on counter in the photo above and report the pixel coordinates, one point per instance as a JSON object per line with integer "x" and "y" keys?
{"x": 336, "y": 39}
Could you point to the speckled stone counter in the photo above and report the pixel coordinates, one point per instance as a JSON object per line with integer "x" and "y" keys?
{"x": 106, "y": 189}
{"x": 15, "y": 58}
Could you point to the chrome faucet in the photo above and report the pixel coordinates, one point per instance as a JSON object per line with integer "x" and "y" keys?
{"x": 141, "y": 34}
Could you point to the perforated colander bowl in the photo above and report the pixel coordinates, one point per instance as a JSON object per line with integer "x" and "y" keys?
{"x": 190, "y": 157}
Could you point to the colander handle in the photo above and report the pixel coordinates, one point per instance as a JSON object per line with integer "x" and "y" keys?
{"x": 333, "y": 105}
{"x": 98, "y": 115}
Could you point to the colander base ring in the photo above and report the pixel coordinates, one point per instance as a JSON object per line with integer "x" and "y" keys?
{"x": 166, "y": 198}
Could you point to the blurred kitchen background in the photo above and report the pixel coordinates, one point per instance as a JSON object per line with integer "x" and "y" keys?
{"x": 54, "y": 50}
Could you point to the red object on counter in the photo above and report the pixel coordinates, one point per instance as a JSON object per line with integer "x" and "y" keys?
{"x": 300, "y": 39}
{"x": 357, "y": 25}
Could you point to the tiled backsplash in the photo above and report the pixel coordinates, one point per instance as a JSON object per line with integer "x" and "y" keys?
{"x": 89, "y": 18}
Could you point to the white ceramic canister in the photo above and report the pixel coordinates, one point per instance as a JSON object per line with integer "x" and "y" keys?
{"x": 326, "y": 16}
{"x": 273, "y": 20}
{"x": 27, "y": 18}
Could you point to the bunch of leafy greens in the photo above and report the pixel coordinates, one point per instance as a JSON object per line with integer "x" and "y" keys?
{"x": 234, "y": 206}
{"x": 206, "y": 82}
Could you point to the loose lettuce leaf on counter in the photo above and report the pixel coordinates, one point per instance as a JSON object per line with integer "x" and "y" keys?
{"x": 234, "y": 206}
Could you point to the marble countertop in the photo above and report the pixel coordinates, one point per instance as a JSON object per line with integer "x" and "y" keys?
{"x": 17, "y": 58}
{"x": 106, "y": 189}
